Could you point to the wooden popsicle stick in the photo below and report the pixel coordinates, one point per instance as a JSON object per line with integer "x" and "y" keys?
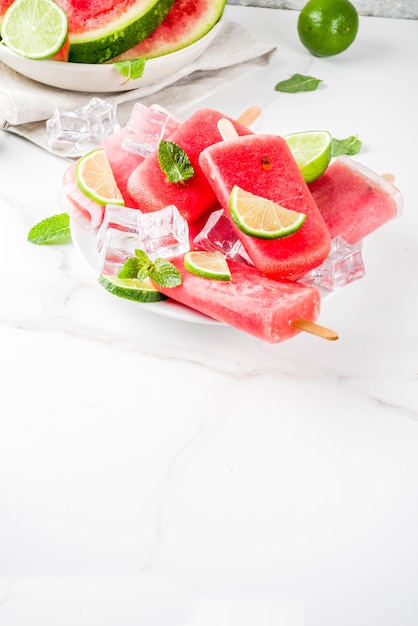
{"x": 315, "y": 329}
{"x": 389, "y": 177}
{"x": 249, "y": 116}
{"x": 227, "y": 129}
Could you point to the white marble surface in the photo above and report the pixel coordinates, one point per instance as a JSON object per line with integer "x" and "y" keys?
{"x": 156, "y": 472}
{"x": 407, "y": 9}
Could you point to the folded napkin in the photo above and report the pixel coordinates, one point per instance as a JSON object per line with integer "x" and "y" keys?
{"x": 25, "y": 105}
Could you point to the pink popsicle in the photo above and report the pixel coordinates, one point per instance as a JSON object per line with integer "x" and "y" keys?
{"x": 264, "y": 166}
{"x": 148, "y": 186}
{"x": 354, "y": 201}
{"x": 251, "y": 302}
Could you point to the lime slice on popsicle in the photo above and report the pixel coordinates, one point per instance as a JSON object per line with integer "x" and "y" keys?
{"x": 95, "y": 178}
{"x": 131, "y": 288}
{"x": 262, "y": 218}
{"x": 35, "y": 29}
{"x": 207, "y": 264}
{"x": 311, "y": 151}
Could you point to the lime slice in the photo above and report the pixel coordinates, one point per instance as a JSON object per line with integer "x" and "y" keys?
{"x": 311, "y": 151}
{"x": 35, "y": 29}
{"x": 95, "y": 178}
{"x": 262, "y": 218}
{"x": 131, "y": 288}
{"x": 207, "y": 264}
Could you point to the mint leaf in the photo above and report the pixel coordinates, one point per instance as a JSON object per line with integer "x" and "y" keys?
{"x": 298, "y": 82}
{"x": 165, "y": 273}
{"x": 131, "y": 268}
{"x": 54, "y": 229}
{"x": 131, "y": 70}
{"x": 160, "y": 271}
{"x": 349, "y": 145}
{"x": 174, "y": 162}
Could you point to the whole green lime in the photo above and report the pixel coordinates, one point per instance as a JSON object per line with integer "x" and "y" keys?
{"x": 327, "y": 27}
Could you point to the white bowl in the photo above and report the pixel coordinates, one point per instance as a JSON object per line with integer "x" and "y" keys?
{"x": 104, "y": 78}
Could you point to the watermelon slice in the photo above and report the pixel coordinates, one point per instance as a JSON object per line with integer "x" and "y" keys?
{"x": 104, "y": 29}
{"x": 186, "y": 22}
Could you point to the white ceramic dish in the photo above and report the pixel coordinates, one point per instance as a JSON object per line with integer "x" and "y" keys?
{"x": 85, "y": 242}
{"x": 105, "y": 78}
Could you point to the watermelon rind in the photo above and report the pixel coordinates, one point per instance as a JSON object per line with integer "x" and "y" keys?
{"x": 186, "y": 22}
{"x": 100, "y": 44}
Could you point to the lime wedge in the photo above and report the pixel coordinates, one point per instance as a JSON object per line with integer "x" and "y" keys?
{"x": 207, "y": 264}
{"x": 131, "y": 288}
{"x": 311, "y": 151}
{"x": 95, "y": 178}
{"x": 262, "y": 218}
{"x": 35, "y": 29}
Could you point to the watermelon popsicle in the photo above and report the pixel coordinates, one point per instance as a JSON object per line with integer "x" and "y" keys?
{"x": 268, "y": 309}
{"x": 264, "y": 166}
{"x": 354, "y": 201}
{"x": 148, "y": 185}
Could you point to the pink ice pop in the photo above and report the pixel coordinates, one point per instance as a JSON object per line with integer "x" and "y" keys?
{"x": 148, "y": 186}
{"x": 264, "y": 165}
{"x": 269, "y": 309}
{"x": 354, "y": 201}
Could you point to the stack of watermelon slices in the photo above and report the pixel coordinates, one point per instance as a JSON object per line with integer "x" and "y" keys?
{"x": 103, "y": 30}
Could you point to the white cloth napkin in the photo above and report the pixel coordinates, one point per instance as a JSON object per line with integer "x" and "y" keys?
{"x": 25, "y": 105}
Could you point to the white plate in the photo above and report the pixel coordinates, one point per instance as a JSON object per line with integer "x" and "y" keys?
{"x": 85, "y": 242}
{"x": 104, "y": 78}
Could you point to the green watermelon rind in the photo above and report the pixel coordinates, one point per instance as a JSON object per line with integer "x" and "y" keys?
{"x": 199, "y": 28}
{"x": 104, "y": 43}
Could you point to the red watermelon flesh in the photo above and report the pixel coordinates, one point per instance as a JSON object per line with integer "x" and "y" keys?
{"x": 4, "y": 5}
{"x": 148, "y": 186}
{"x": 353, "y": 200}
{"x": 104, "y": 29}
{"x": 186, "y": 22}
{"x": 85, "y": 15}
{"x": 249, "y": 302}
{"x": 264, "y": 165}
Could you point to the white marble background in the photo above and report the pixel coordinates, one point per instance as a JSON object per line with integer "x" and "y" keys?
{"x": 378, "y": 8}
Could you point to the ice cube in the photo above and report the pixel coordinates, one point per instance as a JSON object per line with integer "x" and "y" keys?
{"x": 172, "y": 122}
{"x": 167, "y": 233}
{"x": 343, "y": 266}
{"x": 101, "y": 118}
{"x": 67, "y": 130}
{"x": 116, "y": 248}
{"x": 117, "y": 217}
{"x": 218, "y": 235}
{"x": 146, "y": 127}
{"x": 76, "y": 129}
{"x": 163, "y": 233}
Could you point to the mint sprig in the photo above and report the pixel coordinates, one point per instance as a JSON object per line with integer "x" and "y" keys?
{"x": 174, "y": 162}
{"x": 298, "y": 82}
{"x": 131, "y": 70}
{"x": 349, "y": 145}
{"x": 161, "y": 271}
{"x": 52, "y": 230}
